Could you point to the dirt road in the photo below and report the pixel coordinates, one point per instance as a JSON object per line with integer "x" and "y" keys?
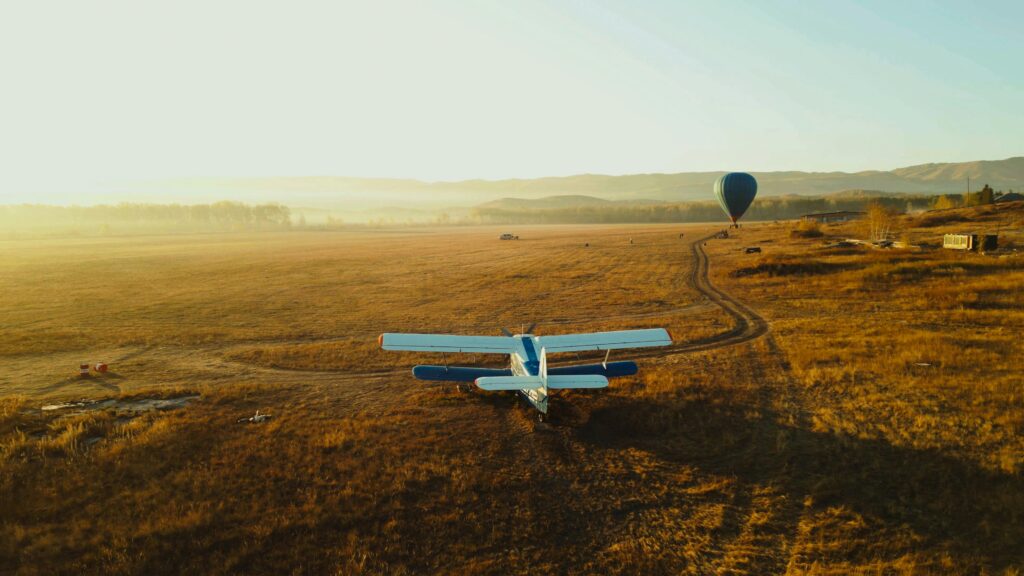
{"x": 747, "y": 324}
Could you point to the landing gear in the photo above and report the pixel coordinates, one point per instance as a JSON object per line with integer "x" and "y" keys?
{"x": 542, "y": 417}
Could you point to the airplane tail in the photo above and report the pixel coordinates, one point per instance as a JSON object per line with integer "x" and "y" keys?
{"x": 510, "y": 383}
{"x": 494, "y": 383}
{"x": 542, "y": 381}
{"x": 543, "y": 364}
{"x": 577, "y": 381}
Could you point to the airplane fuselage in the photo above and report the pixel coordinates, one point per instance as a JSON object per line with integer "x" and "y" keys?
{"x": 525, "y": 361}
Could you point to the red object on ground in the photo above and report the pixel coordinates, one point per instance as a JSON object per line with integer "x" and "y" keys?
{"x": 101, "y": 367}
{"x": 83, "y": 369}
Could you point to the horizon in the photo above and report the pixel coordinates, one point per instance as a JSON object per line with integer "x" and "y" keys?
{"x": 452, "y": 92}
{"x": 173, "y": 190}
{"x": 378, "y": 195}
{"x": 566, "y": 175}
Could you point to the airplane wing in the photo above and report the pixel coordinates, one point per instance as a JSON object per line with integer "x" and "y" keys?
{"x": 448, "y": 343}
{"x": 605, "y": 340}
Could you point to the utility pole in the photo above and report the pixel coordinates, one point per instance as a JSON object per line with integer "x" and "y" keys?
{"x": 967, "y": 203}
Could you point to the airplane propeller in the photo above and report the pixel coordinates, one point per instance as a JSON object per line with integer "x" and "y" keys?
{"x": 526, "y": 330}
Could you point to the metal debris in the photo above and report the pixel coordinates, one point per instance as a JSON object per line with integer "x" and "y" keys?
{"x": 255, "y": 419}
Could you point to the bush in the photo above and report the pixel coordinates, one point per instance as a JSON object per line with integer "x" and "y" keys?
{"x": 807, "y": 229}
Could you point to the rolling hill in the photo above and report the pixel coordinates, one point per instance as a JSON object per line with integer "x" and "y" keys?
{"x": 683, "y": 186}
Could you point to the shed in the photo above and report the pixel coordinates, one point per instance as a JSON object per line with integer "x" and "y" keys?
{"x": 831, "y": 217}
{"x": 970, "y": 242}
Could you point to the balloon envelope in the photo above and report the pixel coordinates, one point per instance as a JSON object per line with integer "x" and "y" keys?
{"x": 735, "y": 191}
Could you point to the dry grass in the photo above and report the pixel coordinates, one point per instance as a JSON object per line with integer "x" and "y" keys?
{"x": 172, "y": 309}
{"x": 823, "y": 448}
{"x": 921, "y": 332}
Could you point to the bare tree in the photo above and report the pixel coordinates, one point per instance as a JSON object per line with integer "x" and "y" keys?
{"x": 881, "y": 222}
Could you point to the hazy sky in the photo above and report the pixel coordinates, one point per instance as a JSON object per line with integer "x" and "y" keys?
{"x": 97, "y": 90}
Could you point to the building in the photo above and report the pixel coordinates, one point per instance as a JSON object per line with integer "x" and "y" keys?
{"x": 833, "y": 217}
{"x": 973, "y": 242}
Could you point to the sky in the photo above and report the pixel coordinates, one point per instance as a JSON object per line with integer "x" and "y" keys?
{"x": 110, "y": 91}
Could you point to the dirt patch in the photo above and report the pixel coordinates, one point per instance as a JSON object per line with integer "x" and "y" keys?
{"x": 121, "y": 404}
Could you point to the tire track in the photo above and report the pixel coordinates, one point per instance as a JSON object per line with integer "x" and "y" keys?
{"x": 748, "y": 325}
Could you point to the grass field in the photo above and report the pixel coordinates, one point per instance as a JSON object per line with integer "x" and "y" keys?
{"x": 874, "y": 427}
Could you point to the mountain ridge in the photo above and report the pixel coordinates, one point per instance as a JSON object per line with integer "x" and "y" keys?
{"x": 933, "y": 178}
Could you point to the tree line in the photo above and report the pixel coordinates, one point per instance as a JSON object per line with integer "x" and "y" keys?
{"x": 770, "y": 208}
{"x": 219, "y": 215}
{"x": 977, "y": 198}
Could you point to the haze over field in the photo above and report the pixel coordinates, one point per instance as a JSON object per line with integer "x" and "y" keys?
{"x": 195, "y": 102}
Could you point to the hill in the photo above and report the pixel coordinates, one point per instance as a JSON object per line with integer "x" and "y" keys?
{"x": 566, "y": 201}
{"x": 546, "y": 203}
{"x": 1000, "y": 173}
{"x": 678, "y": 187}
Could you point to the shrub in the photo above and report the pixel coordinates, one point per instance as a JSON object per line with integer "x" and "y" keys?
{"x": 807, "y": 229}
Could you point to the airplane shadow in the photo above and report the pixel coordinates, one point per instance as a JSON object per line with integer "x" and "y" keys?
{"x": 949, "y": 503}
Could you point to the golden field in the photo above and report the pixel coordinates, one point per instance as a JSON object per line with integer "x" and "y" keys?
{"x": 874, "y": 427}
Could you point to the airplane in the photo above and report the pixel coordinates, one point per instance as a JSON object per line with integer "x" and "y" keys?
{"x": 528, "y": 371}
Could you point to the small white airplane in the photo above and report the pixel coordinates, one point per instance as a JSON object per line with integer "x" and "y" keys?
{"x": 528, "y": 370}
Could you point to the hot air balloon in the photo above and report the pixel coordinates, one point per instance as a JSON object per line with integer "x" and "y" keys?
{"x": 735, "y": 191}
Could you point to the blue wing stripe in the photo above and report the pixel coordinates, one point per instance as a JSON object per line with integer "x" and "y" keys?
{"x": 614, "y": 370}
{"x": 455, "y": 373}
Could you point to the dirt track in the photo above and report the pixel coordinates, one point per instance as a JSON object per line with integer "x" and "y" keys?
{"x": 749, "y": 325}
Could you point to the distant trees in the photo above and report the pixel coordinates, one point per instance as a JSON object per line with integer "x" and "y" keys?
{"x": 220, "y": 215}
{"x": 984, "y": 196}
{"x": 768, "y": 208}
{"x": 978, "y": 198}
